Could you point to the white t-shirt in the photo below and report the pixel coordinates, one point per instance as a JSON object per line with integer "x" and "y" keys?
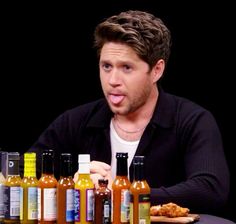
{"x": 120, "y": 145}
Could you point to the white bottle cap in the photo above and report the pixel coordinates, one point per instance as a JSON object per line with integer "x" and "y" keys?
{"x": 84, "y": 158}
{"x": 84, "y": 163}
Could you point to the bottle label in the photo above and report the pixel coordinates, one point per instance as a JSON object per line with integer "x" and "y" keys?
{"x": 49, "y": 204}
{"x": 70, "y": 205}
{"x": 21, "y": 202}
{"x": 89, "y": 204}
{"x": 39, "y": 203}
{"x": 125, "y": 205}
{"x": 32, "y": 203}
{"x": 77, "y": 205}
{"x": 143, "y": 209}
{"x": 106, "y": 210}
{"x": 12, "y": 202}
{"x": 2, "y": 201}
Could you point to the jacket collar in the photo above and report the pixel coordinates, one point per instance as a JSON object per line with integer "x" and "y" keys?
{"x": 164, "y": 113}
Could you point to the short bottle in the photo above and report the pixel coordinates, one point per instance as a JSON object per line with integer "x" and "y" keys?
{"x": 28, "y": 191}
{"x": 12, "y": 189}
{"x": 65, "y": 191}
{"x": 139, "y": 194}
{"x": 47, "y": 190}
{"x": 84, "y": 192}
{"x": 121, "y": 194}
{"x": 102, "y": 203}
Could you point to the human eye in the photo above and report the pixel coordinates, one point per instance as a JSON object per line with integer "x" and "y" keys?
{"x": 127, "y": 68}
{"x": 106, "y": 67}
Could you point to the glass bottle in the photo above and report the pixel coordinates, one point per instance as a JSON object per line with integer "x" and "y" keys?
{"x": 12, "y": 189}
{"x": 84, "y": 192}
{"x": 102, "y": 203}
{"x": 139, "y": 194}
{"x": 65, "y": 191}
{"x": 120, "y": 187}
{"x": 28, "y": 190}
{"x": 47, "y": 189}
{"x": 3, "y": 168}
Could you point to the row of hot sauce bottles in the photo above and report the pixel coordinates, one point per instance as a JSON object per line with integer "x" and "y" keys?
{"x": 47, "y": 200}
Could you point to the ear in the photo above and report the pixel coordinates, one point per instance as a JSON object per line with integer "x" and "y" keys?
{"x": 158, "y": 70}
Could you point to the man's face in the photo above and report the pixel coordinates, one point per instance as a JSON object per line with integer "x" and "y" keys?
{"x": 125, "y": 79}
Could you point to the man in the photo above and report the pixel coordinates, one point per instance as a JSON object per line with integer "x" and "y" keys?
{"x": 185, "y": 161}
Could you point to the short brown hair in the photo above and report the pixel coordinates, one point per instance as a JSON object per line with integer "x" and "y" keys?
{"x": 146, "y": 34}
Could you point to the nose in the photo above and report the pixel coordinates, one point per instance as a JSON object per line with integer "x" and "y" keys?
{"x": 114, "y": 77}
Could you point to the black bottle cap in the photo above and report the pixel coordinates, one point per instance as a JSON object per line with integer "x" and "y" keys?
{"x": 13, "y": 163}
{"x": 47, "y": 161}
{"x": 65, "y": 164}
{"x": 138, "y": 160}
{"x": 138, "y": 164}
{"x": 103, "y": 181}
{"x": 121, "y": 165}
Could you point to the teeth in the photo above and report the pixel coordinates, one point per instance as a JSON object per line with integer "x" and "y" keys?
{"x": 116, "y": 99}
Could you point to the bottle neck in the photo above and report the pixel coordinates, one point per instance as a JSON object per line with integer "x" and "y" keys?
{"x": 103, "y": 183}
{"x": 66, "y": 169}
{"x": 47, "y": 165}
{"x": 13, "y": 167}
{"x": 139, "y": 172}
{"x": 121, "y": 167}
{"x": 30, "y": 168}
{"x": 84, "y": 168}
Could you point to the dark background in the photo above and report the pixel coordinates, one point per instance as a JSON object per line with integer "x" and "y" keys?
{"x": 48, "y": 64}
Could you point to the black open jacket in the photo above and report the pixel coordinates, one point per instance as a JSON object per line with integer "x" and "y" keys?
{"x": 185, "y": 161}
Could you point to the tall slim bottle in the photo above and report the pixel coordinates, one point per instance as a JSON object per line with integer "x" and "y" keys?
{"x": 84, "y": 192}
{"x": 28, "y": 191}
{"x": 12, "y": 189}
{"x": 65, "y": 191}
{"x": 139, "y": 194}
{"x": 3, "y": 168}
{"x": 120, "y": 187}
{"x": 47, "y": 189}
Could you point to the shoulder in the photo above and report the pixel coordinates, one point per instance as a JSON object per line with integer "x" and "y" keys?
{"x": 183, "y": 110}
{"x": 191, "y": 113}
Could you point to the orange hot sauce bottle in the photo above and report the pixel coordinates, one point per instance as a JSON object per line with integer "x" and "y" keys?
{"x": 121, "y": 194}
{"x": 47, "y": 189}
{"x": 65, "y": 191}
{"x": 139, "y": 194}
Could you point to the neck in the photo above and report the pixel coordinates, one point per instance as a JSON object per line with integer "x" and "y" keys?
{"x": 126, "y": 130}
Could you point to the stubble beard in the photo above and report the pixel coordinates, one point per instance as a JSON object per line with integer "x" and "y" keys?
{"x": 131, "y": 106}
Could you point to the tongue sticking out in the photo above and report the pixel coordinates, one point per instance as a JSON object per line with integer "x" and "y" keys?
{"x": 116, "y": 99}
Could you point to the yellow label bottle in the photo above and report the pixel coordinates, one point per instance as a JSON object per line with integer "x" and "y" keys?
{"x": 84, "y": 192}
{"x": 28, "y": 191}
{"x": 12, "y": 189}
